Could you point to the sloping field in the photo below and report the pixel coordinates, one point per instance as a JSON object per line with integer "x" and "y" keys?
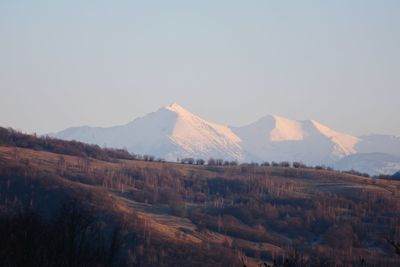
{"x": 258, "y": 213}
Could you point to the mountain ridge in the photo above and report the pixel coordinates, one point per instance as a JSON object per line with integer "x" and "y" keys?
{"x": 173, "y": 132}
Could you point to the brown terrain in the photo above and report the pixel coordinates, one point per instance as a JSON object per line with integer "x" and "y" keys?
{"x": 201, "y": 215}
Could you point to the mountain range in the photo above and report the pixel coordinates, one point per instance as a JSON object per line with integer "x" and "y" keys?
{"x": 172, "y": 132}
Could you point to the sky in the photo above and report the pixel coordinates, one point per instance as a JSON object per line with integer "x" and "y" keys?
{"x": 104, "y": 63}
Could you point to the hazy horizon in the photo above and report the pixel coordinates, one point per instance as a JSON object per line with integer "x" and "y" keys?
{"x": 99, "y": 63}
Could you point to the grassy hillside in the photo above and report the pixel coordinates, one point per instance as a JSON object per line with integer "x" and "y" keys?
{"x": 199, "y": 215}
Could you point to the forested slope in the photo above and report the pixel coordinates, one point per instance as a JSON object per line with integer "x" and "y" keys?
{"x": 198, "y": 215}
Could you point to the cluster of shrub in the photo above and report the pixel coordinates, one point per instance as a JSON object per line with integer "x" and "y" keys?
{"x": 395, "y": 176}
{"x": 209, "y": 162}
{"x": 282, "y": 164}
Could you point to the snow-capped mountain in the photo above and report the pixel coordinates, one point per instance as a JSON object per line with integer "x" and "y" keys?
{"x": 279, "y": 139}
{"x": 173, "y": 132}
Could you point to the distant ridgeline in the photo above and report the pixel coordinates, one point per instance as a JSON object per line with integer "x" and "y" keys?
{"x": 11, "y": 137}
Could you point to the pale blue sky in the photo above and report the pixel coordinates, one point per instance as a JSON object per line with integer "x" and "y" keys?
{"x": 102, "y": 63}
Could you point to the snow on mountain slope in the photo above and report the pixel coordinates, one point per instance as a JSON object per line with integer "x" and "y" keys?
{"x": 171, "y": 132}
{"x": 344, "y": 143}
{"x": 286, "y": 130}
{"x": 276, "y": 138}
{"x": 197, "y": 136}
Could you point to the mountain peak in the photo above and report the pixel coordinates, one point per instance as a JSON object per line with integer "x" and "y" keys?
{"x": 173, "y": 104}
{"x": 172, "y": 131}
{"x": 175, "y": 107}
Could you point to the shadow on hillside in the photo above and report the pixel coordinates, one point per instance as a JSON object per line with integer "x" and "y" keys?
{"x": 72, "y": 238}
